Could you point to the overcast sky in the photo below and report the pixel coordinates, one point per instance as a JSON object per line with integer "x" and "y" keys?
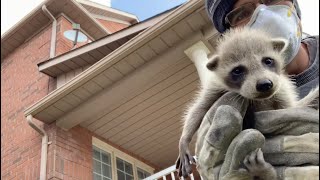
{"x": 13, "y": 10}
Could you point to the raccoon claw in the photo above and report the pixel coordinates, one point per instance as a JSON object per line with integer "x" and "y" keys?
{"x": 183, "y": 164}
{"x": 256, "y": 165}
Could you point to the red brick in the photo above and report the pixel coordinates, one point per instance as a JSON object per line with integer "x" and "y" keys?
{"x": 69, "y": 154}
{"x": 112, "y": 26}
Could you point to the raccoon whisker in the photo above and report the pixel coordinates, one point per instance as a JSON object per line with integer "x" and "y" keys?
{"x": 233, "y": 98}
{"x": 236, "y": 98}
{"x": 239, "y": 97}
{"x": 279, "y": 100}
{"x": 243, "y": 101}
{"x": 251, "y": 102}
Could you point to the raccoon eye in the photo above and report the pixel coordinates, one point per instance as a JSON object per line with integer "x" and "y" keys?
{"x": 268, "y": 61}
{"x": 237, "y": 71}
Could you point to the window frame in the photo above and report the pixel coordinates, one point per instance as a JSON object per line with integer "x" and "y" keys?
{"x": 133, "y": 167}
{"x": 142, "y": 170}
{"x": 111, "y": 163}
{"x": 116, "y": 153}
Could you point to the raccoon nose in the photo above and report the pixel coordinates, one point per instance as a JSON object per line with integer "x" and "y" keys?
{"x": 264, "y": 85}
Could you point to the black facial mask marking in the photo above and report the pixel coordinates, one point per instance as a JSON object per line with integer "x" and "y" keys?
{"x": 236, "y": 77}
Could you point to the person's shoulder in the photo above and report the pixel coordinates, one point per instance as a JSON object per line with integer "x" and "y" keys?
{"x": 312, "y": 40}
{"x": 310, "y": 37}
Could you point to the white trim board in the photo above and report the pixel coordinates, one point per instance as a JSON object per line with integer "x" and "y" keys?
{"x": 97, "y": 16}
{"x": 116, "y": 152}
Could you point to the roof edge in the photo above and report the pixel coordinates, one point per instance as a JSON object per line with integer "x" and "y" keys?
{"x": 22, "y": 21}
{"x": 42, "y": 66}
{"x": 37, "y": 12}
{"x": 112, "y": 58}
{"x": 109, "y": 9}
{"x": 90, "y": 17}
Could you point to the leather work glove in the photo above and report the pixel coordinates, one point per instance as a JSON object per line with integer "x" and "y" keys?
{"x": 292, "y": 136}
{"x": 291, "y": 139}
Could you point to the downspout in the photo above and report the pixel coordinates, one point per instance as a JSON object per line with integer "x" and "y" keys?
{"x": 44, "y": 147}
{"x": 54, "y": 31}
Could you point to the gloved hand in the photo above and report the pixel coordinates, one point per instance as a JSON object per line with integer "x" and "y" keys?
{"x": 292, "y": 136}
{"x": 221, "y": 124}
{"x": 288, "y": 140}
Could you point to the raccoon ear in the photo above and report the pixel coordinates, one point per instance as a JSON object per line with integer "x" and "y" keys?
{"x": 279, "y": 44}
{"x": 213, "y": 63}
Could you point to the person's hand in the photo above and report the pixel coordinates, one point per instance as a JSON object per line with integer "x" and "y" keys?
{"x": 291, "y": 121}
{"x": 221, "y": 124}
{"x": 292, "y": 141}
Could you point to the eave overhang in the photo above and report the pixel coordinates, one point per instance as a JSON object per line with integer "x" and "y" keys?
{"x": 36, "y": 20}
{"x": 94, "y": 51}
{"x": 135, "y": 96}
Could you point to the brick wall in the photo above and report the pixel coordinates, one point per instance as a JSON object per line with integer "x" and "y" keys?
{"x": 69, "y": 154}
{"x": 63, "y": 44}
{"x": 112, "y": 26}
{"x": 22, "y": 85}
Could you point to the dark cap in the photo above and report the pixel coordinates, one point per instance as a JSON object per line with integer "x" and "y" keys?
{"x": 218, "y": 9}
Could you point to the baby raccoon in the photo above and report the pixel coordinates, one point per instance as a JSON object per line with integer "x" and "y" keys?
{"x": 249, "y": 63}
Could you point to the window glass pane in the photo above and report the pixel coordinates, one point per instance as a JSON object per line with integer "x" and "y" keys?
{"x": 140, "y": 175}
{"x": 129, "y": 177}
{"x": 96, "y": 166}
{"x": 101, "y": 164}
{"x": 121, "y": 175}
{"x": 96, "y": 177}
{"x": 147, "y": 174}
{"x": 105, "y": 158}
{"x": 106, "y": 170}
{"x": 120, "y": 164}
{"x": 96, "y": 154}
{"x": 128, "y": 168}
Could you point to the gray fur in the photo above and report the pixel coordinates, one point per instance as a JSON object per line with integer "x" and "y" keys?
{"x": 245, "y": 47}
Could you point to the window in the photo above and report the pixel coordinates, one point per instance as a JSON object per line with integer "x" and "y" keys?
{"x": 101, "y": 165}
{"x": 110, "y": 163}
{"x": 124, "y": 170}
{"x": 142, "y": 174}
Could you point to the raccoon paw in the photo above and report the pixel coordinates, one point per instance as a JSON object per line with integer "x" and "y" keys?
{"x": 258, "y": 167}
{"x": 183, "y": 163}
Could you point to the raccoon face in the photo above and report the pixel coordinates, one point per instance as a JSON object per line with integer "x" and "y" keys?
{"x": 253, "y": 73}
{"x": 257, "y": 80}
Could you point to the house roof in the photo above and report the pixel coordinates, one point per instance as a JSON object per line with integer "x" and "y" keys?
{"x": 99, "y": 9}
{"x": 79, "y": 12}
{"x": 94, "y": 51}
{"x": 137, "y": 43}
{"x": 33, "y": 22}
{"x": 134, "y": 97}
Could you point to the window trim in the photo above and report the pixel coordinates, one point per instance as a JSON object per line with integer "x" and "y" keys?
{"x": 117, "y": 153}
{"x": 132, "y": 163}
{"x": 142, "y": 170}
{"x": 111, "y": 162}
